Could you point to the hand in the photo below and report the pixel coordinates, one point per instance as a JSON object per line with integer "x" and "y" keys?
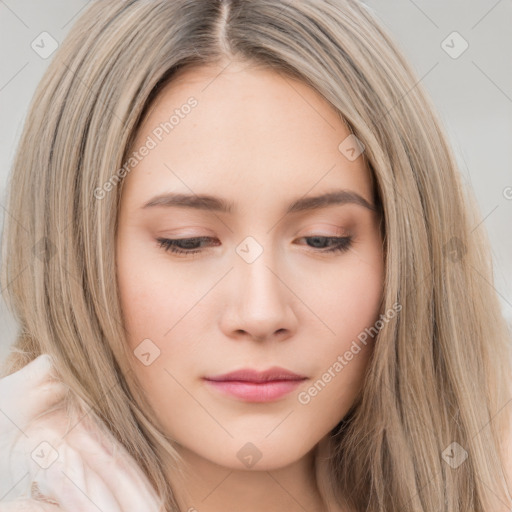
{"x": 78, "y": 464}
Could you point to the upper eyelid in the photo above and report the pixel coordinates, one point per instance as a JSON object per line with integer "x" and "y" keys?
{"x": 348, "y": 239}
{"x": 161, "y": 240}
{"x": 208, "y": 237}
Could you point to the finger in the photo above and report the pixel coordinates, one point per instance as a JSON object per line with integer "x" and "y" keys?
{"x": 75, "y": 485}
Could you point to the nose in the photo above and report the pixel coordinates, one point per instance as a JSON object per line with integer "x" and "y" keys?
{"x": 260, "y": 303}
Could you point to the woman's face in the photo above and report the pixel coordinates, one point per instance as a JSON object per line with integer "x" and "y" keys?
{"x": 268, "y": 276}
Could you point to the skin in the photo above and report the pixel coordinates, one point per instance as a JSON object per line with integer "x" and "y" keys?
{"x": 260, "y": 140}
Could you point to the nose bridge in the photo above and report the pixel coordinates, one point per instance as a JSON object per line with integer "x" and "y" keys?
{"x": 260, "y": 303}
{"x": 256, "y": 272}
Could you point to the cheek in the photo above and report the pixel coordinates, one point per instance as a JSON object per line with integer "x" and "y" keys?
{"x": 350, "y": 305}
{"x": 153, "y": 294}
{"x": 347, "y": 297}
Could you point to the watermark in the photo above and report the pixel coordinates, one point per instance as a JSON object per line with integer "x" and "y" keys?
{"x": 147, "y": 352}
{"x": 44, "y": 454}
{"x": 249, "y": 249}
{"x": 454, "y": 45}
{"x": 304, "y": 397}
{"x": 44, "y": 249}
{"x": 44, "y": 45}
{"x": 454, "y": 455}
{"x": 151, "y": 142}
{"x": 455, "y": 249}
{"x": 249, "y": 455}
{"x": 351, "y": 147}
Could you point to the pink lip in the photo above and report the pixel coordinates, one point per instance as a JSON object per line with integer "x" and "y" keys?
{"x": 254, "y": 386}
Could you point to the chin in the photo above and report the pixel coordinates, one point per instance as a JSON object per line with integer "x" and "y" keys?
{"x": 254, "y": 455}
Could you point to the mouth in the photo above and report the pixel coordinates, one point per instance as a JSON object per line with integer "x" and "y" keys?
{"x": 250, "y": 385}
{"x": 256, "y": 391}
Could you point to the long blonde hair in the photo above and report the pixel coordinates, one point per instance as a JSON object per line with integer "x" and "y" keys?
{"x": 440, "y": 369}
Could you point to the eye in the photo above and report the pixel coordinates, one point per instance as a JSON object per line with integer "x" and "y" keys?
{"x": 193, "y": 245}
{"x": 183, "y": 245}
{"x": 337, "y": 244}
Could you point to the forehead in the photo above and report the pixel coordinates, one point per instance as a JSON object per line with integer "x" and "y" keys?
{"x": 251, "y": 128}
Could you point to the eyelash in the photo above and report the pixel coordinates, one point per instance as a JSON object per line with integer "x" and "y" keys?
{"x": 343, "y": 244}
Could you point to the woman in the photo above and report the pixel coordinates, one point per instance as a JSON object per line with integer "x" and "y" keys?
{"x": 247, "y": 250}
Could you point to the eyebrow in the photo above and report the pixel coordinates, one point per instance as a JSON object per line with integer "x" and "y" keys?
{"x": 217, "y": 204}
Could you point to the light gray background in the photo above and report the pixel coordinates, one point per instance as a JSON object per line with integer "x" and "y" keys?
{"x": 473, "y": 93}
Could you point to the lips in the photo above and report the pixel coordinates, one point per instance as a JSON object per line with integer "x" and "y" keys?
{"x": 275, "y": 373}
{"x": 251, "y": 385}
